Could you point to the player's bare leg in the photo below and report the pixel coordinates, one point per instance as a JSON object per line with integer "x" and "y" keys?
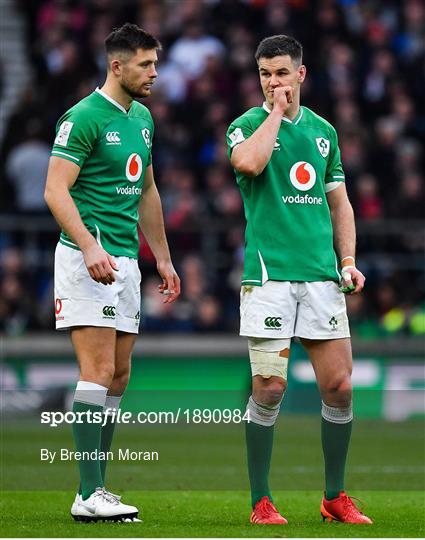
{"x": 124, "y": 344}
{"x": 332, "y": 363}
{"x": 95, "y": 349}
{"x": 123, "y": 349}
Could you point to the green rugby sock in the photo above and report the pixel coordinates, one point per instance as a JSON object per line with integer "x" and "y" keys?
{"x": 259, "y": 444}
{"x": 88, "y": 397}
{"x": 107, "y": 434}
{"x": 336, "y": 432}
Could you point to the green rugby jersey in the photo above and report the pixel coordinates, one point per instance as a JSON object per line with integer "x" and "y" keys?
{"x": 112, "y": 147}
{"x": 289, "y": 234}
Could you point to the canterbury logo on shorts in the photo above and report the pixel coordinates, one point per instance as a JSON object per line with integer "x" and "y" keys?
{"x": 273, "y": 323}
{"x": 109, "y": 312}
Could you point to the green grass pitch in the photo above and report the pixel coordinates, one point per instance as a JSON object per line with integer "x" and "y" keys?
{"x": 209, "y": 514}
{"x": 199, "y": 487}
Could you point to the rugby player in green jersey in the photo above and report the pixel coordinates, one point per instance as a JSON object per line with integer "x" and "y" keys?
{"x": 299, "y": 262}
{"x": 100, "y": 187}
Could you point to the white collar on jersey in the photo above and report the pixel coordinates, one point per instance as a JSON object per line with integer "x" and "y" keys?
{"x": 120, "y": 107}
{"x": 300, "y": 115}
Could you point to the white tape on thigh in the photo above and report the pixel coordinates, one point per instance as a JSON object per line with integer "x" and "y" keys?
{"x": 258, "y": 414}
{"x": 266, "y": 359}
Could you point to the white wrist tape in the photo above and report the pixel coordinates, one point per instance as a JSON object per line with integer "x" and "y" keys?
{"x": 345, "y": 274}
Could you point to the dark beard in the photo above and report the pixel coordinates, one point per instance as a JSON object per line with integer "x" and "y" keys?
{"x": 132, "y": 93}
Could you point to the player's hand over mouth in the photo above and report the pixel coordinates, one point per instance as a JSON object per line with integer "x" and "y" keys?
{"x": 282, "y": 98}
{"x": 100, "y": 264}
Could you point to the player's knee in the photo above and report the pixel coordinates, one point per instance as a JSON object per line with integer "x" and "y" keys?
{"x": 269, "y": 391}
{"x": 120, "y": 381}
{"x": 103, "y": 374}
{"x": 338, "y": 391}
{"x": 107, "y": 373}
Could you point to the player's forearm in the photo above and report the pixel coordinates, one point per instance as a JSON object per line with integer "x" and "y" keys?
{"x": 344, "y": 230}
{"x": 151, "y": 223}
{"x": 66, "y": 214}
{"x": 251, "y": 156}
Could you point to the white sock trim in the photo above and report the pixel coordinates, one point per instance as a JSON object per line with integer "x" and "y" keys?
{"x": 86, "y": 385}
{"x": 337, "y": 415}
{"x": 90, "y": 393}
{"x": 264, "y": 416}
{"x": 111, "y": 403}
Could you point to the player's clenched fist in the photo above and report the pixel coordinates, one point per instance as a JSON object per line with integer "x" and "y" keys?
{"x": 352, "y": 280}
{"x": 282, "y": 98}
{"x": 100, "y": 264}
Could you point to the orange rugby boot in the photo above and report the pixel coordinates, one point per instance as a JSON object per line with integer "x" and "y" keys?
{"x": 342, "y": 509}
{"x": 265, "y": 513}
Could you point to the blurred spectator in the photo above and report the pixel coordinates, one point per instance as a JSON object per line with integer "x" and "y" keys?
{"x": 368, "y": 203}
{"x": 16, "y": 294}
{"x": 191, "y": 51}
{"x": 208, "y": 317}
{"x": 365, "y": 75}
{"x": 26, "y": 168}
{"x": 410, "y": 201}
{"x": 159, "y": 317}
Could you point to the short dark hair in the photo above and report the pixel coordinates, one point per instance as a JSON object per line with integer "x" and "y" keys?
{"x": 129, "y": 38}
{"x": 280, "y": 45}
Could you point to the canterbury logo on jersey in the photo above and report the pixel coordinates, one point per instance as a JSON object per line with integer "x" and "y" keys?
{"x": 273, "y": 323}
{"x": 109, "y": 312}
{"x": 113, "y": 137}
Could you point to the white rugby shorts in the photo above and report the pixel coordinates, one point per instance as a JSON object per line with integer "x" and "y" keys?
{"x": 81, "y": 301}
{"x": 284, "y": 309}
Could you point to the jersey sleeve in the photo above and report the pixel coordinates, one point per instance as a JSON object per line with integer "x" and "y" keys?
{"x": 151, "y": 142}
{"x": 334, "y": 171}
{"x": 76, "y": 135}
{"x": 238, "y": 131}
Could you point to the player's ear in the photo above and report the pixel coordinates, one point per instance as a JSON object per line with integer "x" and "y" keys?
{"x": 302, "y": 72}
{"x": 115, "y": 66}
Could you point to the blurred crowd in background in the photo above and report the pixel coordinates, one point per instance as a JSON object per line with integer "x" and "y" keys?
{"x": 366, "y": 75}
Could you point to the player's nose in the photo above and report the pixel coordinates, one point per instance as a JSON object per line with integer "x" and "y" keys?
{"x": 274, "y": 81}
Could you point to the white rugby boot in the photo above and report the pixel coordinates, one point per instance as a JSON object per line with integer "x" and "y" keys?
{"x": 74, "y": 507}
{"x": 102, "y": 506}
{"x": 118, "y": 497}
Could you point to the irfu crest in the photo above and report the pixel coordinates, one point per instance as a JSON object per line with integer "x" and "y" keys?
{"x": 323, "y": 145}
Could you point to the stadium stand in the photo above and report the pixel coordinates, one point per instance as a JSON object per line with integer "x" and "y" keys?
{"x": 365, "y": 74}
